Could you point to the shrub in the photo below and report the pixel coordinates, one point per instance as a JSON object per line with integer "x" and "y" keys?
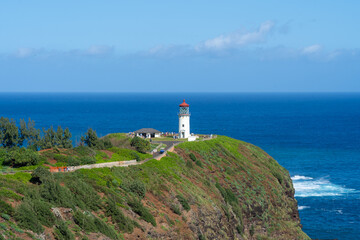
{"x": 21, "y": 157}
{"x": 239, "y": 229}
{"x": 87, "y": 160}
{"x": 40, "y": 175}
{"x": 62, "y": 232}
{"x": 227, "y": 194}
{"x": 85, "y": 221}
{"x": 85, "y": 151}
{"x": 5, "y": 216}
{"x": 136, "y": 156}
{"x": 105, "y": 229}
{"x": 140, "y": 144}
{"x": 123, "y": 223}
{"x": 135, "y": 186}
{"x": 73, "y": 161}
{"x": 143, "y": 212}
{"x": 84, "y": 194}
{"x": 56, "y": 194}
{"x": 26, "y": 218}
{"x": 189, "y": 164}
{"x": 175, "y": 208}
{"x": 252, "y": 230}
{"x": 193, "y": 157}
{"x": 183, "y": 202}
{"x": 199, "y": 163}
{"x": 6, "y": 208}
{"x": 43, "y": 212}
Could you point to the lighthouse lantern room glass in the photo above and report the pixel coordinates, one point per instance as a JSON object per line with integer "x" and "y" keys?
{"x": 184, "y": 110}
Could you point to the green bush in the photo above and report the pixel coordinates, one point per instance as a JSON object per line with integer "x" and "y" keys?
{"x": 26, "y": 218}
{"x": 89, "y": 223}
{"x": 199, "y": 163}
{"x": 175, "y": 208}
{"x": 6, "y": 208}
{"x": 62, "y": 232}
{"x": 84, "y": 194}
{"x": 123, "y": 223}
{"x": 85, "y": 151}
{"x": 189, "y": 164}
{"x": 135, "y": 186}
{"x": 61, "y": 158}
{"x": 105, "y": 229}
{"x": 43, "y": 212}
{"x": 53, "y": 193}
{"x": 87, "y": 160}
{"x": 140, "y": 144}
{"x": 136, "y": 156}
{"x": 193, "y": 157}
{"x": 21, "y": 157}
{"x": 239, "y": 229}
{"x": 183, "y": 202}
{"x": 252, "y": 230}
{"x": 5, "y": 216}
{"x": 40, "y": 175}
{"x": 85, "y": 221}
{"x": 143, "y": 212}
{"x": 227, "y": 194}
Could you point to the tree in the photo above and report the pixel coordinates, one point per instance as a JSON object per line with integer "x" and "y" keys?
{"x": 41, "y": 175}
{"x": 29, "y": 135}
{"x": 33, "y": 135}
{"x": 140, "y": 144}
{"x": 91, "y": 139}
{"x": 9, "y": 133}
{"x": 49, "y": 138}
{"x": 66, "y": 140}
{"x": 21, "y": 157}
{"x": 59, "y": 137}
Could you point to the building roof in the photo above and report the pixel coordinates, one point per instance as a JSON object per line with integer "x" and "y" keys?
{"x": 184, "y": 104}
{"x": 147, "y": 130}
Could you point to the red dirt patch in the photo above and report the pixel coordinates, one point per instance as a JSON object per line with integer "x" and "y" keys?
{"x": 107, "y": 152}
{"x": 52, "y": 161}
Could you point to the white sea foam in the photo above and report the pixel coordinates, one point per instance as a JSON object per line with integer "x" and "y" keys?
{"x": 302, "y": 207}
{"x": 297, "y": 177}
{"x": 308, "y": 187}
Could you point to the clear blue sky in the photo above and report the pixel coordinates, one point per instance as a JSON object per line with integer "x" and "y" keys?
{"x": 161, "y": 46}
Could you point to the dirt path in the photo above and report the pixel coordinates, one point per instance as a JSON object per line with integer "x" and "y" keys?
{"x": 170, "y": 145}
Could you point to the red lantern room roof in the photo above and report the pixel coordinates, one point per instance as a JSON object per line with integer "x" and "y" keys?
{"x": 184, "y": 104}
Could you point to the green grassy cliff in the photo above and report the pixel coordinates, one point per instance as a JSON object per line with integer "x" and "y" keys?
{"x": 217, "y": 189}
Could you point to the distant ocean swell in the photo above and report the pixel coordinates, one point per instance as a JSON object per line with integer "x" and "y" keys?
{"x": 309, "y": 187}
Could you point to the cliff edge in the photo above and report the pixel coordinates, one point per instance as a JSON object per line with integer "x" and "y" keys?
{"x": 217, "y": 189}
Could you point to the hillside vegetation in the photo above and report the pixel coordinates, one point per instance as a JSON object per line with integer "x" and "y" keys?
{"x": 217, "y": 189}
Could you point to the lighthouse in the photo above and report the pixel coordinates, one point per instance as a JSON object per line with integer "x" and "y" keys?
{"x": 184, "y": 120}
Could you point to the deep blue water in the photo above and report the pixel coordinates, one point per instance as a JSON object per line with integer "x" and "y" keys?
{"x": 315, "y": 136}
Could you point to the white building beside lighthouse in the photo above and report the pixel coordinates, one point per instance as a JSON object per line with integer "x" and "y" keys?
{"x": 184, "y": 120}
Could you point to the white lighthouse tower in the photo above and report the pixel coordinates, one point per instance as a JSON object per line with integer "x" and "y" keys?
{"x": 184, "y": 120}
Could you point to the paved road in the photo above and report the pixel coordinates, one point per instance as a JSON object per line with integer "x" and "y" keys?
{"x": 168, "y": 144}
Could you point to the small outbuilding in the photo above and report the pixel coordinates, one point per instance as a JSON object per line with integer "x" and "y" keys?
{"x": 147, "y": 133}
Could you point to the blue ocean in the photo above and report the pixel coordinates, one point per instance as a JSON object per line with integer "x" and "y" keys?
{"x": 316, "y": 136}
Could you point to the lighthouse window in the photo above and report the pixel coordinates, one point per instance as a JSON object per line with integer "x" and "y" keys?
{"x": 183, "y": 125}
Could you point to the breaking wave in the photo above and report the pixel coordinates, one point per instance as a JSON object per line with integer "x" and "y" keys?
{"x": 297, "y": 177}
{"x": 302, "y": 207}
{"x": 308, "y": 187}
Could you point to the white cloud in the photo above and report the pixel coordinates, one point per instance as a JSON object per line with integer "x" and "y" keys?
{"x": 312, "y": 49}
{"x": 24, "y": 52}
{"x": 99, "y": 50}
{"x": 238, "y": 39}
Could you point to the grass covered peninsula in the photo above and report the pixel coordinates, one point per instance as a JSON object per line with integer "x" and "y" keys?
{"x": 216, "y": 189}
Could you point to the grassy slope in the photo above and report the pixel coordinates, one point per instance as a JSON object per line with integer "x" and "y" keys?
{"x": 234, "y": 190}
